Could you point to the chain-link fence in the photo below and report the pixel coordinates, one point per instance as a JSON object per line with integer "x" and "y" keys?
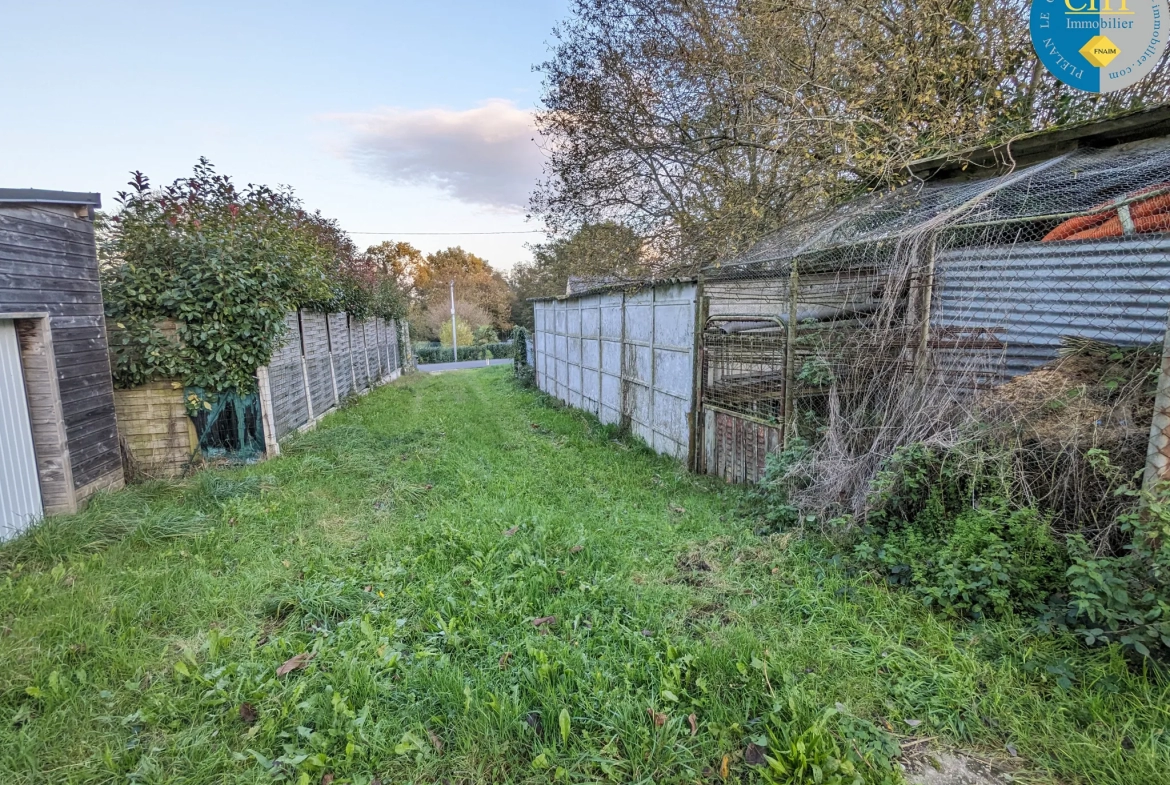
{"x": 1032, "y": 304}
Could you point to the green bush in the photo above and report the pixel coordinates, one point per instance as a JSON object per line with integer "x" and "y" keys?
{"x": 783, "y": 472}
{"x": 520, "y": 346}
{"x": 945, "y": 528}
{"x": 429, "y": 354}
{"x": 463, "y": 333}
{"x": 1125, "y": 599}
{"x": 485, "y": 334}
{"x": 225, "y": 265}
{"x": 986, "y": 561}
{"x": 522, "y": 368}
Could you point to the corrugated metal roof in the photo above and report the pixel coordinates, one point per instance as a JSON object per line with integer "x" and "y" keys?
{"x": 853, "y": 233}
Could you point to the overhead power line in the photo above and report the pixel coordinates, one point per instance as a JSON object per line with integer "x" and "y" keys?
{"x": 431, "y": 234}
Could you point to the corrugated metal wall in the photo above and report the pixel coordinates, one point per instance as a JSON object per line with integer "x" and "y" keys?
{"x": 627, "y": 358}
{"x": 1116, "y": 291}
{"x": 20, "y": 485}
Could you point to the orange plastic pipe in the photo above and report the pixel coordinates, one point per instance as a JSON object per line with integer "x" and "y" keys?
{"x": 1108, "y": 224}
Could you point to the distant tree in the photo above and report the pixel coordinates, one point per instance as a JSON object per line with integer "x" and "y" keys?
{"x": 463, "y": 332}
{"x": 594, "y": 253}
{"x": 476, "y": 283}
{"x": 395, "y": 260}
{"x": 387, "y": 266}
{"x": 430, "y": 324}
{"x": 486, "y": 334}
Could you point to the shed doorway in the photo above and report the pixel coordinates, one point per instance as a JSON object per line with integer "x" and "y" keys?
{"x": 20, "y": 490}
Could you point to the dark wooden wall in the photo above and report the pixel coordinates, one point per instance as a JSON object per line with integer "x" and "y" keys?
{"x": 48, "y": 263}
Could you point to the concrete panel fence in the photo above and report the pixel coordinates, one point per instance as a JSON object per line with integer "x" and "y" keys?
{"x": 627, "y": 357}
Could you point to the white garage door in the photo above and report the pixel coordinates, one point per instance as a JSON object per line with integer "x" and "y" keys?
{"x": 20, "y": 490}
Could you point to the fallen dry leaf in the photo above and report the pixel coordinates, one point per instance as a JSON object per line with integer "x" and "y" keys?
{"x": 513, "y": 530}
{"x": 295, "y": 663}
{"x": 724, "y": 766}
{"x": 913, "y": 723}
{"x": 694, "y": 724}
{"x": 286, "y": 563}
{"x": 576, "y": 549}
{"x": 436, "y": 742}
{"x": 658, "y": 717}
{"x": 248, "y": 713}
{"x": 543, "y": 620}
{"x": 504, "y": 659}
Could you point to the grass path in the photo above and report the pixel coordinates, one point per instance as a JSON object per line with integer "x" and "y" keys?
{"x": 410, "y": 552}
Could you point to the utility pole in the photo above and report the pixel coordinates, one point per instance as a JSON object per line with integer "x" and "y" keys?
{"x": 454, "y": 339}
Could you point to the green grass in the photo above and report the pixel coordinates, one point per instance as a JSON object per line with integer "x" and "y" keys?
{"x": 410, "y": 542}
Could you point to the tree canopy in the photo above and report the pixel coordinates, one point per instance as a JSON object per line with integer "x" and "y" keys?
{"x": 482, "y": 294}
{"x": 595, "y": 253}
{"x": 703, "y": 125}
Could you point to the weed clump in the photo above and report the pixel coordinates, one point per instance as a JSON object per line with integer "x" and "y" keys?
{"x": 316, "y": 603}
{"x": 830, "y": 747}
{"x": 947, "y": 527}
{"x": 1028, "y": 507}
{"x": 107, "y": 521}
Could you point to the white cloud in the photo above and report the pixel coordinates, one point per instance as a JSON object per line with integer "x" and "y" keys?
{"x": 483, "y": 156}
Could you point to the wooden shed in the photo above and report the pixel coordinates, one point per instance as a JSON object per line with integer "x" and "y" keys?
{"x": 58, "y": 432}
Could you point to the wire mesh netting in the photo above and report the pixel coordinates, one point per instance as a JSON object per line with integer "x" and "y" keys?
{"x": 229, "y": 425}
{"x": 1033, "y": 304}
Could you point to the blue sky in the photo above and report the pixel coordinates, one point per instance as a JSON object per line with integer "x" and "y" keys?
{"x": 389, "y": 116}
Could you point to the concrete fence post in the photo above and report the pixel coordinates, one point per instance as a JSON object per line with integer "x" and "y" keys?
{"x": 267, "y": 417}
{"x": 305, "y": 369}
{"x": 332, "y": 364}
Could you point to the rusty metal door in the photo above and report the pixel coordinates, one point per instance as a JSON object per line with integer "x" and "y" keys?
{"x": 742, "y": 393}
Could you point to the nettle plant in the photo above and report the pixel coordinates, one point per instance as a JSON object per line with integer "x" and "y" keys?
{"x": 223, "y": 265}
